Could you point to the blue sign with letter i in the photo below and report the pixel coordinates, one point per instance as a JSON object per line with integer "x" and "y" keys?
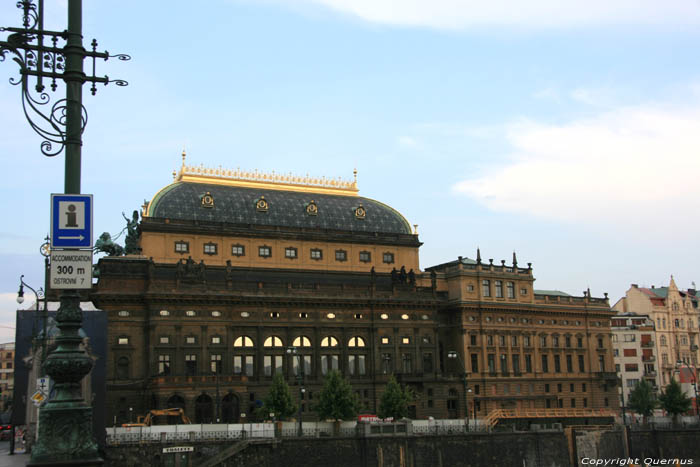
{"x": 71, "y": 221}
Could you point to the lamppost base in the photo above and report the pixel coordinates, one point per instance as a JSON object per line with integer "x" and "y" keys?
{"x": 65, "y": 438}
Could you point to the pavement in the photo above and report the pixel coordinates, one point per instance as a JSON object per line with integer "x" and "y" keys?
{"x": 15, "y": 460}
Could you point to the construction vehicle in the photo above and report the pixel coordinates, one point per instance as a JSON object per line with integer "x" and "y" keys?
{"x": 148, "y": 419}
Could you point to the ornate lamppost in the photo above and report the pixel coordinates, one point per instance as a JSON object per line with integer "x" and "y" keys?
{"x": 452, "y": 354}
{"x": 65, "y": 425}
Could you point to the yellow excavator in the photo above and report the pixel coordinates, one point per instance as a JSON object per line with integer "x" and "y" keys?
{"x": 147, "y": 420}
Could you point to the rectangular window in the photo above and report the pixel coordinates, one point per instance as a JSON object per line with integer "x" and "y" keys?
{"x": 123, "y": 341}
{"x": 502, "y": 341}
{"x": 601, "y": 362}
{"x": 316, "y": 254}
{"x": 341, "y": 255}
{"x": 492, "y": 363}
{"x": 290, "y": 252}
{"x": 498, "y": 285}
{"x": 215, "y": 363}
{"x": 407, "y": 363}
{"x": 526, "y": 341}
{"x": 631, "y": 367}
{"x": 545, "y": 364}
{"x": 190, "y": 365}
{"x": 573, "y": 402}
{"x": 489, "y": 340}
{"x": 514, "y": 341}
{"x": 504, "y": 365}
{"x": 486, "y": 288}
{"x": 306, "y": 359}
{"x": 163, "y": 364}
{"x": 585, "y": 402}
{"x": 210, "y": 248}
{"x": 365, "y": 256}
{"x": 472, "y": 340}
{"x": 351, "y": 364}
{"x": 164, "y": 340}
{"x": 571, "y": 387}
{"x": 557, "y": 364}
{"x": 387, "y": 366}
{"x": 569, "y": 364}
{"x": 190, "y": 340}
{"x": 475, "y": 363}
{"x": 264, "y": 251}
{"x": 555, "y": 341}
{"x": 427, "y": 363}
{"x": 385, "y": 340}
{"x": 579, "y": 342}
{"x": 516, "y": 364}
{"x": 328, "y": 363}
{"x": 182, "y": 247}
{"x": 581, "y": 366}
{"x": 237, "y": 250}
{"x": 567, "y": 341}
{"x": 510, "y": 288}
{"x": 528, "y": 363}
{"x": 388, "y": 258}
{"x": 216, "y": 340}
{"x": 272, "y": 363}
{"x": 546, "y": 387}
{"x": 629, "y": 352}
{"x": 560, "y": 388}
{"x": 543, "y": 341}
{"x": 405, "y": 340}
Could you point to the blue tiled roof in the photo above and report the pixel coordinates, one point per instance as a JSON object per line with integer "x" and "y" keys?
{"x": 237, "y": 205}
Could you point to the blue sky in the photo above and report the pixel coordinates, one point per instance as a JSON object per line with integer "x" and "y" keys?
{"x": 568, "y": 131}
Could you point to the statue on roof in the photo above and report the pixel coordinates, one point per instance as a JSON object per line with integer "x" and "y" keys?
{"x": 104, "y": 244}
{"x": 133, "y": 232}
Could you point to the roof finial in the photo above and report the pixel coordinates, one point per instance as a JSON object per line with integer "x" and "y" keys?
{"x": 415, "y": 229}
{"x": 184, "y": 155}
{"x": 478, "y": 255}
{"x": 354, "y": 175}
{"x": 515, "y": 260}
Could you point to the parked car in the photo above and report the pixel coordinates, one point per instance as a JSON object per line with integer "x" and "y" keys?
{"x": 5, "y": 426}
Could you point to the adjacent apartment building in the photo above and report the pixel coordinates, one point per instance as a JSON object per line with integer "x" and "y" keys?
{"x": 634, "y": 350}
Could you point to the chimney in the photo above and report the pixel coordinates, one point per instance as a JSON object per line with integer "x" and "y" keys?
{"x": 636, "y": 286}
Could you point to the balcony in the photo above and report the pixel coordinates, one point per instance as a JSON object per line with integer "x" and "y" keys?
{"x": 648, "y": 358}
{"x": 650, "y": 374}
{"x": 648, "y": 344}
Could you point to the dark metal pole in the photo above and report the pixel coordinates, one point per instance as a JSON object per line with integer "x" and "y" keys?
{"x": 74, "y": 78}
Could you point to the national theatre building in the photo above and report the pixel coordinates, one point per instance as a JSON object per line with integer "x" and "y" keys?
{"x": 244, "y": 275}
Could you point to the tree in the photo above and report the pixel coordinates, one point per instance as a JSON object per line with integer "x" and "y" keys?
{"x": 642, "y": 399}
{"x": 336, "y": 401}
{"x": 394, "y": 401}
{"x": 278, "y": 400}
{"x": 674, "y": 401}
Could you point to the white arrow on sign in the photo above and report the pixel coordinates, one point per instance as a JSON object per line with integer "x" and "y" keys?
{"x": 80, "y": 237}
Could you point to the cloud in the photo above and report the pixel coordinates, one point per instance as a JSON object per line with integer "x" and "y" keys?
{"x": 458, "y": 14}
{"x": 630, "y": 168}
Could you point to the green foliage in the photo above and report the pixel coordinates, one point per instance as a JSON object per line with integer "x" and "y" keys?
{"x": 394, "y": 401}
{"x": 642, "y": 399}
{"x": 278, "y": 400}
{"x": 336, "y": 401}
{"x": 673, "y": 400}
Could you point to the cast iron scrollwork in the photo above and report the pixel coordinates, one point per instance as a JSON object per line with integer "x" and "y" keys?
{"x": 26, "y": 46}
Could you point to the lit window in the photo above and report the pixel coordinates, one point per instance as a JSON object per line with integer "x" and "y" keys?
{"x": 164, "y": 313}
{"x": 245, "y": 314}
{"x": 182, "y": 247}
{"x": 330, "y": 316}
{"x": 274, "y": 314}
{"x": 388, "y": 258}
{"x": 405, "y": 340}
{"x": 365, "y": 256}
{"x": 237, "y": 250}
{"x": 243, "y": 341}
{"x": 264, "y": 252}
{"x": 216, "y": 340}
{"x": 329, "y": 341}
{"x": 356, "y": 341}
{"x": 190, "y": 313}
{"x": 290, "y": 252}
{"x": 123, "y": 313}
{"x": 301, "y": 341}
{"x": 273, "y": 341}
{"x": 216, "y": 314}
{"x": 123, "y": 341}
{"x": 404, "y": 316}
{"x": 385, "y": 340}
{"x": 164, "y": 340}
{"x": 210, "y": 248}
{"x": 384, "y": 316}
{"x": 303, "y": 315}
{"x": 316, "y": 254}
{"x": 358, "y": 316}
{"x": 341, "y": 255}
{"x": 190, "y": 340}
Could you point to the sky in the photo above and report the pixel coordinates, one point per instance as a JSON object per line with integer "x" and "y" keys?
{"x": 568, "y": 132}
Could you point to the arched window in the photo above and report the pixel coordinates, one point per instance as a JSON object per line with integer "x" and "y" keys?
{"x": 273, "y": 341}
{"x": 243, "y": 341}
{"x": 329, "y": 341}
{"x": 356, "y": 341}
{"x": 302, "y": 341}
{"x": 123, "y": 368}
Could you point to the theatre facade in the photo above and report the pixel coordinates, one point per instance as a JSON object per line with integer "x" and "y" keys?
{"x": 244, "y": 275}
